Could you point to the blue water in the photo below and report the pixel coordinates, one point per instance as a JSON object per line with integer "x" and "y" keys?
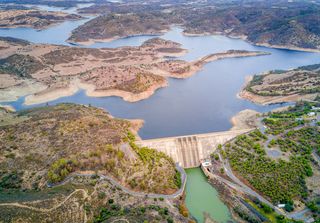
{"x": 57, "y": 34}
{"x": 202, "y": 103}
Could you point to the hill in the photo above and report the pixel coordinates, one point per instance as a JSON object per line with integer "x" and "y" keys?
{"x": 280, "y": 24}
{"x": 284, "y": 85}
{"x": 78, "y": 158}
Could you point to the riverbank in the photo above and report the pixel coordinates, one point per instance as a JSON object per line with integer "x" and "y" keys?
{"x": 228, "y": 197}
{"x": 202, "y": 199}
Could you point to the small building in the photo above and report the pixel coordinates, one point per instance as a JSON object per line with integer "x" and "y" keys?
{"x": 281, "y": 205}
{"x": 311, "y": 114}
{"x": 206, "y": 164}
{"x": 310, "y": 220}
{"x": 315, "y": 108}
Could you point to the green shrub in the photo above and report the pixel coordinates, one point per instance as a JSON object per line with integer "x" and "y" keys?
{"x": 60, "y": 169}
{"x": 177, "y": 179}
{"x": 11, "y": 180}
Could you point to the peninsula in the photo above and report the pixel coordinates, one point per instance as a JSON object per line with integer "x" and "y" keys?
{"x": 283, "y": 85}
{"x": 31, "y": 18}
{"x": 48, "y": 72}
{"x": 279, "y": 24}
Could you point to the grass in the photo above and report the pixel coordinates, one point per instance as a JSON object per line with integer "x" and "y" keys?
{"x": 270, "y": 216}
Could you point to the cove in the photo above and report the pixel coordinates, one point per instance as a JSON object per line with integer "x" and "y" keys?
{"x": 55, "y": 34}
{"x": 203, "y": 198}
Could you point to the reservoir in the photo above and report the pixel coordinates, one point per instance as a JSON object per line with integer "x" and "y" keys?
{"x": 202, "y": 103}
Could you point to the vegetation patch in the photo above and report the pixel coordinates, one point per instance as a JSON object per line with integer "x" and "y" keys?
{"x": 302, "y": 81}
{"x": 279, "y": 180}
{"x": 53, "y": 142}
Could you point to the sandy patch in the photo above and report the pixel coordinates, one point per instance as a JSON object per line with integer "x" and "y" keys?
{"x": 7, "y": 108}
{"x": 24, "y": 88}
{"x": 287, "y": 47}
{"x": 245, "y": 119}
{"x": 127, "y": 96}
{"x": 51, "y": 94}
{"x": 54, "y": 93}
{"x": 266, "y": 100}
{"x": 107, "y": 40}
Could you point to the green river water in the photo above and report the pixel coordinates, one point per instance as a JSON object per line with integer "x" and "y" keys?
{"x": 202, "y": 197}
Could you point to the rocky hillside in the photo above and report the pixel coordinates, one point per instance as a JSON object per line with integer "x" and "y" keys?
{"x": 108, "y": 27}
{"x": 32, "y": 18}
{"x": 275, "y": 23}
{"x": 284, "y": 85}
{"x": 50, "y": 143}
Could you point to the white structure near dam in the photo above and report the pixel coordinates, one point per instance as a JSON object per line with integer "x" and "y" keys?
{"x": 190, "y": 150}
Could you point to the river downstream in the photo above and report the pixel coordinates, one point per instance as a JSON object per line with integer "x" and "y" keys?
{"x": 203, "y": 198}
{"x": 202, "y": 103}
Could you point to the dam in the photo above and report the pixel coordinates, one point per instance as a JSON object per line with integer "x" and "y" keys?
{"x": 190, "y": 150}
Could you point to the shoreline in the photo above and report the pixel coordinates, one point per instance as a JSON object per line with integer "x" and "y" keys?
{"x": 91, "y": 41}
{"x": 7, "y": 108}
{"x": 245, "y": 119}
{"x": 287, "y": 47}
{"x": 125, "y": 95}
{"x": 197, "y": 65}
{"x": 268, "y": 100}
{"x": 76, "y": 85}
{"x": 53, "y": 24}
{"x": 245, "y": 38}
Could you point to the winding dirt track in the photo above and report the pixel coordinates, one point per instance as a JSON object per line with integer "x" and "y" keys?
{"x": 120, "y": 220}
{"x": 49, "y": 209}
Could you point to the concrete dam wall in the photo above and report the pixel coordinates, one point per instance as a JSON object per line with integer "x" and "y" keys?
{"x": 189, "y": 151}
